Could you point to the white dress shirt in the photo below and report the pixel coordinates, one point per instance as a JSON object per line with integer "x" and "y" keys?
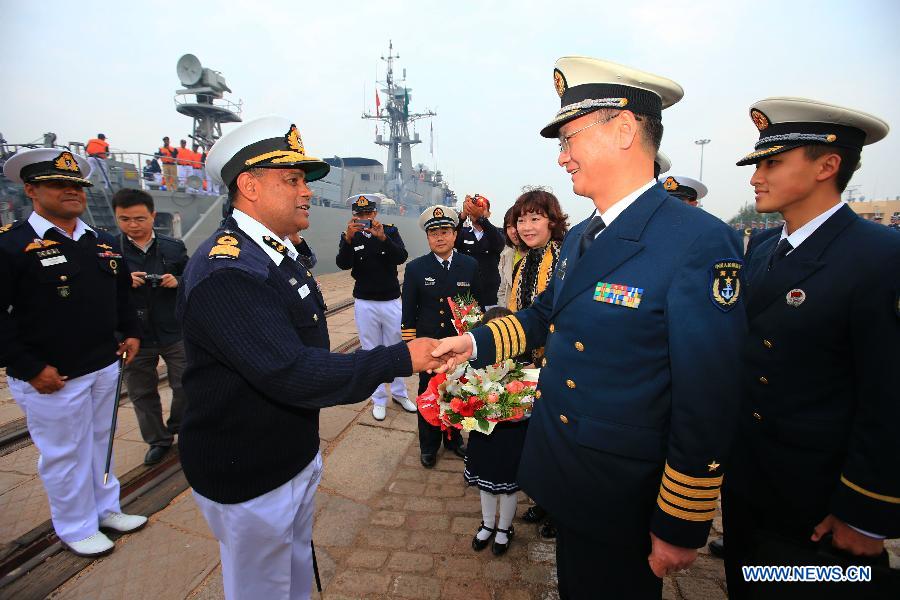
{"x": 41, "y": 226}
{"x": 256, "y": 231}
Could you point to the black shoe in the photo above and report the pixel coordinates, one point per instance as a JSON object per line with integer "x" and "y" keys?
{"x": 479, "y": 545}
{"x": 717, "y": 547}
{"x": 548, "y": 530}
{"x": 428, "y": 460}
{"x": 457, "y": 449}
{"x": 534, "y": 514}
{"x": 155, "y": 454}
{"x": 499, "y": 549}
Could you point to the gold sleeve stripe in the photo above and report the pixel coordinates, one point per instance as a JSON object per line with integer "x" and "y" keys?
{"x": 690, "y": 492}
{"x": 517, "y": 325}
{"x": 504, "y": 335}
{"x": 683, "y": 514}
{"x": 506, "y": 329}
{"x": 691, "y": 504}
{"x": 864, "y": 492}
{"x": 694, "y": 481}
{"x": 498, "y": 345}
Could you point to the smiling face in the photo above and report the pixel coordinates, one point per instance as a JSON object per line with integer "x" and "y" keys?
{"x": 57, "y": 200}
{"x": 589, "y": 155}
{"x": 784, "y": 180}
{"x": 279, "y": 198}
{"x": 441, "y": 240}
{"x": 534, "y": 229}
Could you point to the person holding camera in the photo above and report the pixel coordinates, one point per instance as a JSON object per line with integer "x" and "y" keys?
{"x": 156, "y": 263}
{"x": 374, "y": 250}
{"x": 480, "y": 239}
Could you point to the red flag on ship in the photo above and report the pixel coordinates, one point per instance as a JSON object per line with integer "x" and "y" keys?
{"x": 377, "y": 103}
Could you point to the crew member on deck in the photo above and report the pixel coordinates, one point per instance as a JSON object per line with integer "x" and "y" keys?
{"x": 259, "y": 367}
{"x": 64, "y": 295}
{"x": 427, "y": 283}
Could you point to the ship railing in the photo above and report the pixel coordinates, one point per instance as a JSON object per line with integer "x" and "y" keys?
{"x": 222, "y": 103}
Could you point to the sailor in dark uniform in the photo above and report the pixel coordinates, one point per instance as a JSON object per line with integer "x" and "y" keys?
{"x": 641, "y": 326}
{"x": 259, "y": 367}
{"x": 815, "y": 478}
{"x": 373, "y": 251}
{"x": 477, "y": 237}
{"x": 428, "y": 282}
{"x": 64, "y": 295}
{"x": 687, "y": 189}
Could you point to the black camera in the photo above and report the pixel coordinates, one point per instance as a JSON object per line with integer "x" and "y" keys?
{"x": 366, "y": 223}
{"x": 153, "y": 280}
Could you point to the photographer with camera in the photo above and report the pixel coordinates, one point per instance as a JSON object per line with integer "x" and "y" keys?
{"x": 156, "y": 263}
{"x": 477, "y": 237}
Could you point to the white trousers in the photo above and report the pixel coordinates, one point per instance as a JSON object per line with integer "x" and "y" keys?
{"x": 70, "y": 429}
{"x": 265, "y": 542}
{"x": 378, "y": 324}
{"x": 184, "y": 171}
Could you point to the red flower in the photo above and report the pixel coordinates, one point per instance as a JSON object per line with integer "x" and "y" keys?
{"x": 493, "y": 398}
{"x": 514, "y": 387}
{"x": 429, "y": 408}
{"x": 456, "y": 404}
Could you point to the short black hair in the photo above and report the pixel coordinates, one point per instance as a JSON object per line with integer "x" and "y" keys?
{"x": 496, "y": 313}
{"x": 128, "y": 197}
{"x": 233, "y": 186}
{"x": 651, "y": 131}
{"x": 849, "y": 160}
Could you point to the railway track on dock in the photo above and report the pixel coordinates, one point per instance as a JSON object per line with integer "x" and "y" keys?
{"x": 34, "y": 564}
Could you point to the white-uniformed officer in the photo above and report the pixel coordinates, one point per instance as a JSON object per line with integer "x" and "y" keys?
{"x": 687, "y": 189}
{"x": 373, "y": 251}
{"x": 65, "y": 294}
{"x": 427, "y": 283}
{"x": 259, "y": 367}
{"x": 815, "y": 478}
{"x": 641, "y": 326}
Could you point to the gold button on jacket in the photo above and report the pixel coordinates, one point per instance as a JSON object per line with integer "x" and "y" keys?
{"x": 570, "y": 383}
{"x": 579, "y": 346}
{"x": 564, "y": 418}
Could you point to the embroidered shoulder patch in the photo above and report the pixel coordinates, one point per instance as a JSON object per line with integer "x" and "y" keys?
{"x": 725, "y": 283}
{"x": 6, "y": 227}
{"x": 227, "y": 246}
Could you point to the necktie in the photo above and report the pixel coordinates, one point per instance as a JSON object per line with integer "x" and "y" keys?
{"x": 781, "y": 250}
{"x": 590, "y": 232}
{"x": 446, "y": 264}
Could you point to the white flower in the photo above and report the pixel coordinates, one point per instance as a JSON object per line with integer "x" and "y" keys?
{"x": 469, "y": 423}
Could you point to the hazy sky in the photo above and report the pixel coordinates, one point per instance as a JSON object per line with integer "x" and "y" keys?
{"x": 486, "y": 68}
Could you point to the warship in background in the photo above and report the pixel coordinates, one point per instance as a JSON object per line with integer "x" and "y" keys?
{"x": 193, "y": 213}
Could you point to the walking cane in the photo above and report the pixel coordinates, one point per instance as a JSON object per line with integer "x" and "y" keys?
{"x": 112, "y": 430}
{"x": 316, "y": 568}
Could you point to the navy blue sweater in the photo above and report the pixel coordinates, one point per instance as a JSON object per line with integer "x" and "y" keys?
{"x": 259, "y": 369}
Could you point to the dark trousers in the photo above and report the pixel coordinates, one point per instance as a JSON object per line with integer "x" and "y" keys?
{"x": 752, "y": 539}
{"x": 142, "y": 382}
{"x": 430, "y": 435}
{"x": 589, "y": 568}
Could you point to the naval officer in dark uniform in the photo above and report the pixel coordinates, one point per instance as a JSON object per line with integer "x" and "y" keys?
{"x": 687, "y": 189}
{"x": 428, "y": 282}
{"x": 641, "y": 326}
{"x": 63, "y": 298}
{"x": 477, "y": 237}
{"x": 259, "y": 367}
{"x": 815, "y": 478}
{"x": 372, "y": 251}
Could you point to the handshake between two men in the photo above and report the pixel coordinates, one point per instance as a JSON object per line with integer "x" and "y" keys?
{"x": 439, "y": 356}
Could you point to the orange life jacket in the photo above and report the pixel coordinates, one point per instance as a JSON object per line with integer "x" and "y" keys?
{"x": 185, "y": 156}
{"x": 167, "y": 154}
{"x": 97, "y": 147}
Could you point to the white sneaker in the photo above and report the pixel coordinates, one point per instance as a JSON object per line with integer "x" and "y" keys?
{"x": 379, "y": 412}
{"x": 95, "y": 545}
{"x": 122, "y": 523}
{"x": 407, "y": 404}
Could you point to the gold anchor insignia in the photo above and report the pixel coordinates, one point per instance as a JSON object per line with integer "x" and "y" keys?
{"x": 66, "y": 162}
{"x": 713, "y": 466}
{"x": 759, "y": 119}
{"x": 670, "y": 184}
{"x": 438, "y": 213}
{"x": 559, "y": 82}
{"x": 362, "y": 201}
{"x": 293, "y": 140}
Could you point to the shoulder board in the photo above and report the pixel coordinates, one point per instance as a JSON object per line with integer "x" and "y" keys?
{"x": 390, "y": 225}
{"x": 9, "y": 226}
{"x": 228, "y": 245}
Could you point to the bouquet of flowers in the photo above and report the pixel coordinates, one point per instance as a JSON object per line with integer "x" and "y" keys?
{"x": 465, "y": 312}
{"x": 477, "y": 399}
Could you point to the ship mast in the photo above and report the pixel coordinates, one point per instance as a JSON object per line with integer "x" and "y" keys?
{"x": 397, "y": 116}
